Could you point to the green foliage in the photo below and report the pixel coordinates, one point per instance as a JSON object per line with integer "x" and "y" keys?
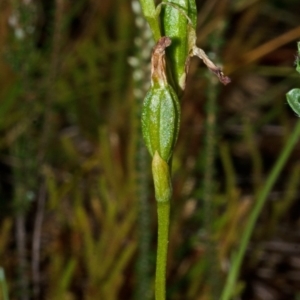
{"x": 293, "y": 99}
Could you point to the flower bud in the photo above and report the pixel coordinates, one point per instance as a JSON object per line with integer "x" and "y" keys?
{"x": 160, "y": 120}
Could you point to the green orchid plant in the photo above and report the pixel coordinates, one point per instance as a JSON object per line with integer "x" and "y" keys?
{"x": 173, "y": 25}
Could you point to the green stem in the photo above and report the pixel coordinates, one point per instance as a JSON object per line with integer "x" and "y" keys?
{"x": 149, "y": 11}
{"x": 163, "y": 213}
{"x": 234, "y": 271}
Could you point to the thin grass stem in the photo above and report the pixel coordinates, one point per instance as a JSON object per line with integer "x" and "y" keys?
{"x": 262, "y": 197}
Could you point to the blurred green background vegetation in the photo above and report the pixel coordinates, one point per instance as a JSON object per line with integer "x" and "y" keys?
{"x": 77, "y": 208}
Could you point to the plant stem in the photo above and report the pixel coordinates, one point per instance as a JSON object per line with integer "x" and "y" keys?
{"x": 148, "y": 7}
{"x": 163, "y": 213}
{"x": 236, "y": 265}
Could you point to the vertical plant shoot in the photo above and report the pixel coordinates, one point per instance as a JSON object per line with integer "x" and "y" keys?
{"x": 160, "y": 125}
{"x": 161, "y": 109}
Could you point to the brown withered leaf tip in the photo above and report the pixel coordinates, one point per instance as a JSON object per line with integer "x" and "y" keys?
{"x": 162, "y": 44}
{"x": 218, "y": 71}
{"x": 211, "y": 66}
{"x": 158, "y": 63}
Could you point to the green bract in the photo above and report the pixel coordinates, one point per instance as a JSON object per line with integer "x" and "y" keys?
{"x": 160, "y": 120}
{"x": 161, "y": 178}
{"x": 176, "y": 18}
{"x": 178, "y": 51}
